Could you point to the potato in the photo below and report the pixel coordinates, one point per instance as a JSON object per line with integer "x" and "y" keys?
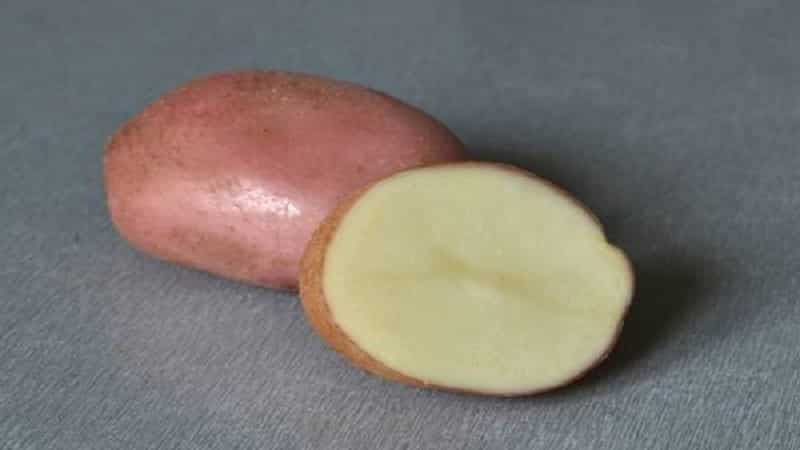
{"x": 470, "y": 277}
{"x": 232, "y": 173}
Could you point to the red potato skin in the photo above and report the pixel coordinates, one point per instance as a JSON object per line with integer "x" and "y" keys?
{"x": 232, "y": 173}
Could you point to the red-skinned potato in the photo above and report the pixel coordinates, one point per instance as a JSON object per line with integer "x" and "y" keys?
{"x": 232, "y": 173}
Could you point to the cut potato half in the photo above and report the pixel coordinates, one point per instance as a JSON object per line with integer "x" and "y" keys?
{"x": 472, "y": 277}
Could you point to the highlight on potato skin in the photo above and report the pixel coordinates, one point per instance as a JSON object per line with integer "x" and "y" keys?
{"x": 319, "y": 314}
{"x": 232, "y": 173}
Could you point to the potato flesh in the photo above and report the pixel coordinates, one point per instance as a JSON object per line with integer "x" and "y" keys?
{"x": 476, "y": 278}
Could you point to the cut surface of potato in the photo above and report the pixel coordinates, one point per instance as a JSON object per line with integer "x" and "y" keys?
{"x": 472, "y": 277}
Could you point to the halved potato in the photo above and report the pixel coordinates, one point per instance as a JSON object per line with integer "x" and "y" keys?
{"x": 471, "y": 277}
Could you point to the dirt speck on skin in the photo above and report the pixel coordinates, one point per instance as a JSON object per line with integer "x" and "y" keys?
{"x": 224, "y": 185}
{"x": 175, "y": 234}
{"x": 278, "y": 264}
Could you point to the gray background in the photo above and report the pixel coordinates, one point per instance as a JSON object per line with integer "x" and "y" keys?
{"x": 678, "y": 122}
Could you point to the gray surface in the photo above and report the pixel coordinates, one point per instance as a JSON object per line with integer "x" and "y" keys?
{"x": 678, "y": 122}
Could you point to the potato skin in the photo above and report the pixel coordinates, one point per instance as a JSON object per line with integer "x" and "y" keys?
{"x": 232, "y": 173}
{"x": 318, "y": 314}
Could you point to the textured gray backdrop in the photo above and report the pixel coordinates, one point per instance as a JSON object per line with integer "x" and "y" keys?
{"x": 678, "y": 122}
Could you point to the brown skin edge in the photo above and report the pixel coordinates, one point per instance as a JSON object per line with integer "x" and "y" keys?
{"x": 319, "y": 315}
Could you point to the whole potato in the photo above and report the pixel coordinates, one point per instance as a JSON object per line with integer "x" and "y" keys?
{"x": 232, "y": 173}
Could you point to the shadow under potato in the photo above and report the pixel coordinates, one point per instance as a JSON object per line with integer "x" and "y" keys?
{"x": 668, "y": 291}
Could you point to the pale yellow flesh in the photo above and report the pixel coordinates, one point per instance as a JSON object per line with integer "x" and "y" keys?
{"x": 477, "y": 278}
